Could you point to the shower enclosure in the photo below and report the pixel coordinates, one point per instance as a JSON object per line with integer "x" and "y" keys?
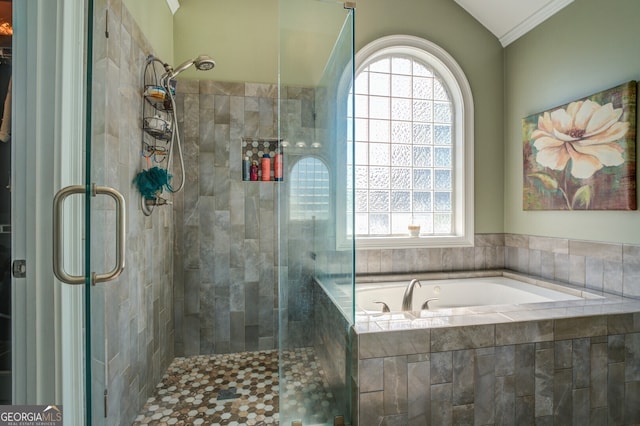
{"x": 314, "y": 130}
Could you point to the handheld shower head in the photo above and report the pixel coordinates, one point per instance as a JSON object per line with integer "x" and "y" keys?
{"x": 202, "y": 62}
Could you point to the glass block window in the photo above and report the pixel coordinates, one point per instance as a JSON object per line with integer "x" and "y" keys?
{"x": 404, "y": 148}
{"x": 309, "y": 190}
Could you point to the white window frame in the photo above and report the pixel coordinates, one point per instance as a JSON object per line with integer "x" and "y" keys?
{"x": 463, "y": 129}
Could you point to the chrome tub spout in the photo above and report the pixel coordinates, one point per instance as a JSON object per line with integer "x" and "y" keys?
{"x": 407, "y": 299}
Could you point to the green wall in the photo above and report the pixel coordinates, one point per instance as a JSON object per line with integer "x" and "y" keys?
{"x": 589, "y": 46}
{"x": 241, "y": 35}
{"x": 156, "y": 22}
{"x": 480, "y": 55}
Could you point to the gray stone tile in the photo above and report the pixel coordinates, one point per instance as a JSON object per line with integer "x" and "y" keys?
{"x": 375, "y": 345}
{"x": 577, "y": 270}
{"x": 594, "y": 273}
{"x": 572, "y": 328}
{"x": 598, "y": 384}
{"x": 456, "y": 338}
{"x": 598, "y": 416}
{"x": 563, "y": 354}
{"x": 441, "y": 408}
{"x": 371, "y": 375}
{"x": 631, "y": 398}
{"x": 535, "y": 262}
{"x": 563, "y": 397}
{"x": 525, "y": 362}
{"x": 464, "y": 364}
{"x": 485, "y": 389}
{"x": 612, "y": 280}
{"x": 222, "y": 113}
{"x": 616, "y": 349}
{"x": 516, "y": 240}
{"x": 632, "y": 357}
{"x": 370, "y": 410}
{"x": 479, "y": 258}
{"x": 631, "y": 270}
{"x": 463, "y": 414}
{"x": 525, "y": 410}
{"x": 544, "y": 382}
{"x": 505, "y": 400}
{"x": 237, "y": 343}
{"x": 441, "y": 367}
{"x": 549, "y": 244}
{"x": 192, "y": 292}
{"x": 561, "y": 267}
{"x": 621, "y": 324}
{"x": 222, "y": 145}
{"x": 395, "y": 385}
{"x": 251, "y": 335}
{"x": 524, "y": 332}
{"x": 581, "y": 362}
{"x": 606, "y": 251}
{"x": 547, "y": 259}
{"x": 505, "y": 360}
{"x": 419, "y": 392}
{"x": 616, "y": 393}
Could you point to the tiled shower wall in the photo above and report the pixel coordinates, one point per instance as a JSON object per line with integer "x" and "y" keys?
{"x": 225, "y": 252}
{"x": 133, "y": 328}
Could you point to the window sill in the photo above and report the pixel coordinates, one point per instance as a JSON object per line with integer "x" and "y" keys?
{"x": 370, "y": 243}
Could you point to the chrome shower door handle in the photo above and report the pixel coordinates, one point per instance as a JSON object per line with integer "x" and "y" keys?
{"x": 58, "y": 268}
{"x": 121, "y": 234}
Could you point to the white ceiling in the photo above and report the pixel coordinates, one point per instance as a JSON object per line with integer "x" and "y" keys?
{"x": 510, "y": 19}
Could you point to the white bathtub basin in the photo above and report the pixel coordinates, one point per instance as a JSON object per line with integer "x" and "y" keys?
{"x": 456, "y": 293}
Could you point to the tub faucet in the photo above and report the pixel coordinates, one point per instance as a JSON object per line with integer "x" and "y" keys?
{"x": 407, "y": 299}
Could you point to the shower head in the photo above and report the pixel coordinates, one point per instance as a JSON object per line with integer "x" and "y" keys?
{"x": 202, "y": 62}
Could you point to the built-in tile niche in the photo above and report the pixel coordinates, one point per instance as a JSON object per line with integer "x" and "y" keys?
{"x": 254, "y": 149}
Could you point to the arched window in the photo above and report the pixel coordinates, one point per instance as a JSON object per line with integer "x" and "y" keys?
{"x": 309, "y": 190}
{"x": 413, "y": 159}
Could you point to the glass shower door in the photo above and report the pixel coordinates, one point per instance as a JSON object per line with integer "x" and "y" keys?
{"x": 52, "y": 188}
{"x": 316, "y": 261}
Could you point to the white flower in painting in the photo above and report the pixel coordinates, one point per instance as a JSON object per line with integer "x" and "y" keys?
{"x": 585, "y": 133}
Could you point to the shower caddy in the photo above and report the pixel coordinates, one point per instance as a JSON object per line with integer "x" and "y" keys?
{"x": 157, "y": 132}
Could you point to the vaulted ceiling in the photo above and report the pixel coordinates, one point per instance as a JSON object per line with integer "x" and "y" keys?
{"x": 510, "y": 19}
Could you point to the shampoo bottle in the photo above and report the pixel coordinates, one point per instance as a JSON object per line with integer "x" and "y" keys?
{"x": 253, "y": 171}
{"x": 277, "y": 167}
{"x": 246, "y": 169}
{"x": 266, "y": 167}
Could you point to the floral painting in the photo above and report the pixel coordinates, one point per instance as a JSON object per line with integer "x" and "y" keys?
{"x": 582, "y": 156}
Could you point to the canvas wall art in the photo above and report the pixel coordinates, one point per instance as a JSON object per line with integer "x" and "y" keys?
{"x": 582, "y": 155}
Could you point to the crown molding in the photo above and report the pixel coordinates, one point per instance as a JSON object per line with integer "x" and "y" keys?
{"x": 533, "y": 21}
{"x": 173, "y": 5}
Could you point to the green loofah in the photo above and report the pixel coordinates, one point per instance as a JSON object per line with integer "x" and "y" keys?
{"x": 150, "y": 182}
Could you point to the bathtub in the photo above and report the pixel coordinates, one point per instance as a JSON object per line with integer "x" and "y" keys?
{"x": 461, "y": 293}
{"x": 505, "y": 327}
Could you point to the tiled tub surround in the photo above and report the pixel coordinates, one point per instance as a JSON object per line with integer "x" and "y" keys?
{"x": 545, "y": 363}
{"x": 611, "y": 267}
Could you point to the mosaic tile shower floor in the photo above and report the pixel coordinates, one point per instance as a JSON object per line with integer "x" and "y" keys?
{"x": 239, "y": 389}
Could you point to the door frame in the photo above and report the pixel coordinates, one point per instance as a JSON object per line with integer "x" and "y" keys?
{"x": 48, "y": 117}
